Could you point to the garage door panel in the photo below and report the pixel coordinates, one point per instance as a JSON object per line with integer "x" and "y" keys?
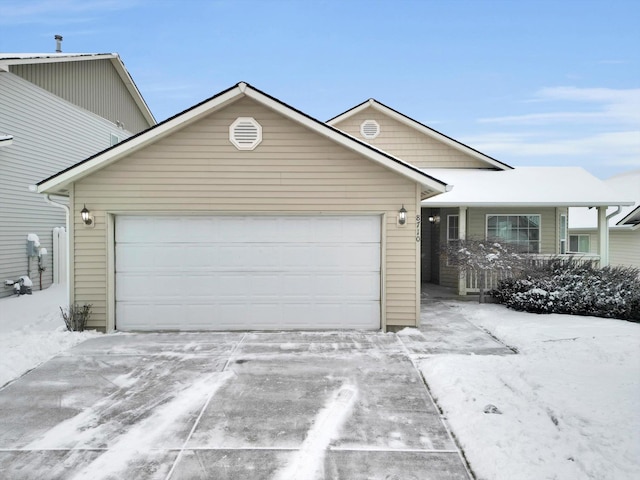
{"x": 239, "y": 273}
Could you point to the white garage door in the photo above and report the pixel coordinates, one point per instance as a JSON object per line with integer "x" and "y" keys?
{"x": 247, "y": 273}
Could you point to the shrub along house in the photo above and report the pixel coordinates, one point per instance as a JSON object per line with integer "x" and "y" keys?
{"x": 244, "y": 213}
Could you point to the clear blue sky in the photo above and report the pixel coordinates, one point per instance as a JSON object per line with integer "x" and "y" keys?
{"x": 528, "y": 82}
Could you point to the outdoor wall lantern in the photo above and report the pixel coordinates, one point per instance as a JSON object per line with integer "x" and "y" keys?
{"x": 402, "y": 216}
{"x": 86, "y": 216}
{"x": 434, "y": 218}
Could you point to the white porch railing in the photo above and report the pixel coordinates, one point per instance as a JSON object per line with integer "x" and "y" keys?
{"x": 471, "y": 281}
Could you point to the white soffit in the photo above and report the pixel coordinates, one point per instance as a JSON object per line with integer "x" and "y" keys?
{"x": 524, "y": 186}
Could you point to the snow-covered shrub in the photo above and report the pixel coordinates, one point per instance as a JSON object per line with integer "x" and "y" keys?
{"x": 76, "y": 317}
{"x": 577, "y": 288}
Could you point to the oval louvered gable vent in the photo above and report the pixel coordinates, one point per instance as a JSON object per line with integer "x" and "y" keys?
{"x": 370, "y": 129}
{"x": 245, "y": 133}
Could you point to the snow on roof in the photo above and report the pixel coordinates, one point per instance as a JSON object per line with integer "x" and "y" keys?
{"x": 627, "y": 184}
{"x": 524, "y": 186}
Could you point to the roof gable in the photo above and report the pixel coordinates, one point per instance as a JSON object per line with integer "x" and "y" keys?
{"x": 59, "y": 182}
{"x": 7, "y": 60}
{"x": 485, "y": 160}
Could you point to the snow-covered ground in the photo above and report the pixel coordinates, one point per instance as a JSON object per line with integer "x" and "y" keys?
{"x": 569, "y": 402}
{"x": 32, "y": 331}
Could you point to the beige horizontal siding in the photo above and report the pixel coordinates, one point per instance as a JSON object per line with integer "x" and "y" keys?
{"x": 407, "y": 143}
{"x": 294, "y": 170}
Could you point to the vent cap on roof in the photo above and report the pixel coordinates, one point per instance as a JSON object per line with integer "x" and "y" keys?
{"x": 245, "y": 133}
{"x": 370, "y": 129}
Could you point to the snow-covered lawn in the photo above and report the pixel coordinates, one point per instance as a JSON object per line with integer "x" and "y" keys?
{"x": 569, "y": 402}
{"x": 32, "y": 331}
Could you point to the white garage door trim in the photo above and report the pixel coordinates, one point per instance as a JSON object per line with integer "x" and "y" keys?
{"x": 284, "y": 272}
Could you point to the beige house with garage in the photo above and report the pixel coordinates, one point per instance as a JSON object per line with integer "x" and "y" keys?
{"x": 243, "y": 213}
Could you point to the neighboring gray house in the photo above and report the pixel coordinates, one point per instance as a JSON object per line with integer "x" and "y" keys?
{"x": 55, "y": 109}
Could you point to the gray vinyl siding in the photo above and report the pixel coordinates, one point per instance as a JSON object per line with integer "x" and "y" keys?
{"x": 624, "y": 248}
{"x": 50, "y": 134}
{"x": 91, "y": 84}
{"x": 408, "y": 143}
{"x": 624, "y": 245}
{"x": 294, "y": 170}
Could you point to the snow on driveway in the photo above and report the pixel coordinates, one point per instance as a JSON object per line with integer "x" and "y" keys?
{"x": 32, "y": 331}
{"x": 569, "y": 402}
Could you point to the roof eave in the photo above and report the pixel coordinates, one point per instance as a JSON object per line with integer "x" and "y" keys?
{"x": 447, "y": 204}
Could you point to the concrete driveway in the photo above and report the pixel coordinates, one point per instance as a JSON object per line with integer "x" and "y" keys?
{"x": 226, "y": 406}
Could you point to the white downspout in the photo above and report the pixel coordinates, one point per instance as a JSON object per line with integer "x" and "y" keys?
{"x": 47, "y": 198}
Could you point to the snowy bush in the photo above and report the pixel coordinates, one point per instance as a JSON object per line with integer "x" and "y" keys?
{"x": 576, "y": 288}
{"x": 76, "y": 317}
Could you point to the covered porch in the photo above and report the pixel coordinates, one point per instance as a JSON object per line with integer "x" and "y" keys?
{"x": 511, "y": 208}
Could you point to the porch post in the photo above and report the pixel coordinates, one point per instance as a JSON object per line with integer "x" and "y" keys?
{"x": 603, "y": 236}
{"x": 462, "y": 235}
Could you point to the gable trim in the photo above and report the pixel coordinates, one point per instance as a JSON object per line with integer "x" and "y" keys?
{"x": 430, "y": 132}
{"x": 59, "y": 181}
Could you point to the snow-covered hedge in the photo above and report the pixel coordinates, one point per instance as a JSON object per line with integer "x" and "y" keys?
{"x": 567, "y": 286}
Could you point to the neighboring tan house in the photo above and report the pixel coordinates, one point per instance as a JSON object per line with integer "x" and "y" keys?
{"x": 244, "y": 213}
{"x": 55, "y": 110}
{"x": 624, "y": 225}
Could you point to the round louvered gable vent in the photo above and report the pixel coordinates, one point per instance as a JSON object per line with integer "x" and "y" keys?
{"x": 245, "y": 133}
{"x": 370, "y": 129}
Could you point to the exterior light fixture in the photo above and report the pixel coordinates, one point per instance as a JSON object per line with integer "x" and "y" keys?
{"x": 434, "y": 218}
{"x": 86, "y": 216}
{"x": 402, "y": 216}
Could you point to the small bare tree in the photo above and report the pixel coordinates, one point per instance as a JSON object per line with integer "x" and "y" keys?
{"x": 483, "y": 257}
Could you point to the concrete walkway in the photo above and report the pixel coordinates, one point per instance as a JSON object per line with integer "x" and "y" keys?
{"x": 227, "y": 406}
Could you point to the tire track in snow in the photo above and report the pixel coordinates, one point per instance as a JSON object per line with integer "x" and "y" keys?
{"x": 308, "y": 461}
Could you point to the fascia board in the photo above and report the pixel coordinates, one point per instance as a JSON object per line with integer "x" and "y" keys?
{"x": 436, "y": 204}
{"x": 70, "y": 57}
{"x": 133, "y": 89}
{"x": 138, "y": 142}
{"x": 629, "y": 216}
{"x": 438, "y": 136}
{"x": 352, "y": 111}
{"x": 396, "y": 165}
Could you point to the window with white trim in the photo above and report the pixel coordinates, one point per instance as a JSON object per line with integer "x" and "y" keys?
{"x": 453, "y": 227}
{"x": 580, "y": 243}
{"x": 521, "y": 231}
